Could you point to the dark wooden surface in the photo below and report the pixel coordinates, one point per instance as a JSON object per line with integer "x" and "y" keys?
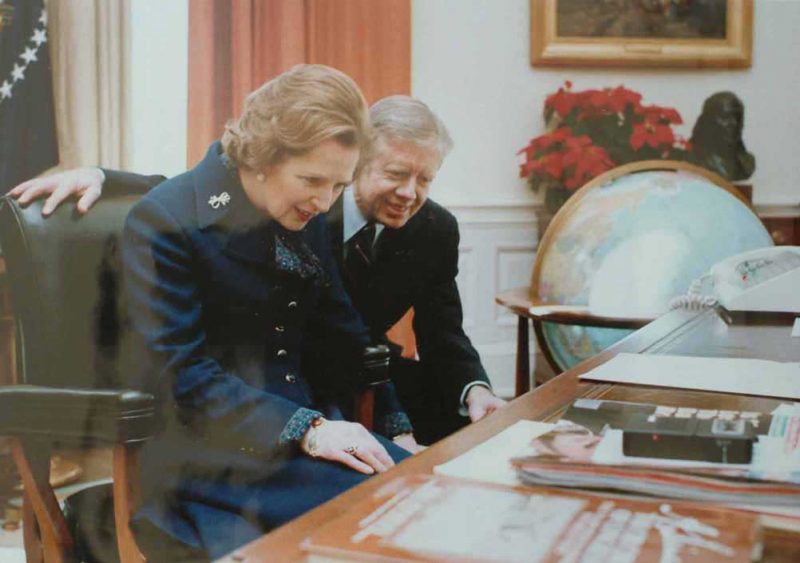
{"x": 676, "y": 332}
{"x": 782, "y": 222}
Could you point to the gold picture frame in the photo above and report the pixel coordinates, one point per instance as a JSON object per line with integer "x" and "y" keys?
{"x": 645, "y": 33}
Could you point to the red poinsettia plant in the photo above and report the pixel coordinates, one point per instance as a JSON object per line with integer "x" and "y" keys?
{"x": 592, "y": 131}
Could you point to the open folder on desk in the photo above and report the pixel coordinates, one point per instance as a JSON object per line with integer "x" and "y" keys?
{"x": 742, "y": 376}
{"x": 434, "y": 518}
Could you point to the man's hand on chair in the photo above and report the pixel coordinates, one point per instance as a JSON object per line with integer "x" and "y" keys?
{"x": 85, "y": 183}
{"x": 481, "y": 402}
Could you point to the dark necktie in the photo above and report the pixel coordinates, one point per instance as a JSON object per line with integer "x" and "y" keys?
{"x": 358, "y": 258}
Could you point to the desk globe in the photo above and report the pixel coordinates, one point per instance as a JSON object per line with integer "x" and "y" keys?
{"x": 631, "y": 240}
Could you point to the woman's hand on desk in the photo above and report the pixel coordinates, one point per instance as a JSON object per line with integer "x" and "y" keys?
{"x": 348, "y": 443}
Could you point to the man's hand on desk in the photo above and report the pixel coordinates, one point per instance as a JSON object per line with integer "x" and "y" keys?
{"x": 481, "y": 401}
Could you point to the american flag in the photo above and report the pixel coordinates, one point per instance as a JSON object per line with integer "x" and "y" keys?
{"x": 28, "y": 143}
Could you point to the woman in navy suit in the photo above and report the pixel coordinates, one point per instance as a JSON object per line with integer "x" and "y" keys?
{"x": 232, "y": 285}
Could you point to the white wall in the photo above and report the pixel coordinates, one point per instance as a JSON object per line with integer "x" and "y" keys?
{"x": 158, "y": 87}
{"x": 470, "y": 62}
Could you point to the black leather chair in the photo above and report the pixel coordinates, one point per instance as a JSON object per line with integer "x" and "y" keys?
{"x": 76, "y": 352}
{"x": 77, "y": 357}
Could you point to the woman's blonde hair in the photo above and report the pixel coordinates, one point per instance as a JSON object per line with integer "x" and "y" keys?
{"x": 293, "y": 113}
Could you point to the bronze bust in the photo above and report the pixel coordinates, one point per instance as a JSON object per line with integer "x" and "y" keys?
{"x": 717, "y": 138}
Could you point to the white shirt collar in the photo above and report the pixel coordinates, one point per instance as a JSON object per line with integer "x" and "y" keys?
{"x": 354, "y": 219}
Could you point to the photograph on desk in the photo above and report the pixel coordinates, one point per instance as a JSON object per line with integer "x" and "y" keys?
{"x": 432, "y": 518}
{"x": 747, "y": 459}
{"x": 733, "y": 457}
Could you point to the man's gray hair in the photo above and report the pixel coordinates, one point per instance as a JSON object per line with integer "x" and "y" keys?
{"x": 408, "y": 119}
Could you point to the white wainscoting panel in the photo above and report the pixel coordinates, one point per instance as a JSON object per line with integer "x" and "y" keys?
{"x": 513, "y": 269}
{"x": 497, "y": 250}
{"x": 468, "y": 283}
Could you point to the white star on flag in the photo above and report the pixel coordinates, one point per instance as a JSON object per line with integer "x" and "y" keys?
{"x": 5, "y": 90}
{"x": 29, "y": 55}
{"x": 39, "y": 36}
{"x": 18, "y": 73}
{"x": 43, "y": 17}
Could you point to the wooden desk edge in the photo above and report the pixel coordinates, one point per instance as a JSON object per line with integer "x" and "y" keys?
{"x": 546, "y": 401}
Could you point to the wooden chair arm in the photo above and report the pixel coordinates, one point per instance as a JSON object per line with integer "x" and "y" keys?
{"x": 77, "y": 416}
{"x": 375, "y": 365}
{"x": 374, "y": 372}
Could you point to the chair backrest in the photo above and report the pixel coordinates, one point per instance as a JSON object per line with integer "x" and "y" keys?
{"x": 65, "y": 280}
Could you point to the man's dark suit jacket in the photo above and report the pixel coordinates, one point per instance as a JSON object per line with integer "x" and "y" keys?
{"x": 416, "y": 266}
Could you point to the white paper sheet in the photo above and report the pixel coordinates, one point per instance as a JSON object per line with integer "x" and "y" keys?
{"x": 472, "y": 523}
{"x": 796, "y": 327}
{"x": 728, "y": 375}
{"x": 489, "y": 461}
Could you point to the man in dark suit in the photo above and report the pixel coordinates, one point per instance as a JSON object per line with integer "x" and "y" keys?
{"x": 412, "y": 263}
{"x": 397, "y": 250}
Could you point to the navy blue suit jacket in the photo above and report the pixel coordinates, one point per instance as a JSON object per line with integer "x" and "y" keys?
{"x": 227, "y": 303}
{"x": 415, "y": 266}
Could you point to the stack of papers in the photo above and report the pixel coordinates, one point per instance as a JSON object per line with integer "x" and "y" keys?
{"x": 585, "y": 450}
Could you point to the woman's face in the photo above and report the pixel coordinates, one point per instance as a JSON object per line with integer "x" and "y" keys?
{"x": 296, "y": 190}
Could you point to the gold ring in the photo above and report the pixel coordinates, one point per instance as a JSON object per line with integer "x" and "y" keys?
{"x": 352, "y": 450}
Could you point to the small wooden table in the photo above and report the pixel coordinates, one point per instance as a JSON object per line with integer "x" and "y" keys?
{"x": 519, "y": 302}
{"x": 678, "y": 332}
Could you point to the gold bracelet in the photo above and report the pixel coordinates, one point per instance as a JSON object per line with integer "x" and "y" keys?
{"x": 312, "y": 444}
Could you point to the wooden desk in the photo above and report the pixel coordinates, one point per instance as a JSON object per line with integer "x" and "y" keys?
{"x": 676, "y": 332}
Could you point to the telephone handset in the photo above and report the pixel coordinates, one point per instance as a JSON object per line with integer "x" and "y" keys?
{"x": 766, "y": 279}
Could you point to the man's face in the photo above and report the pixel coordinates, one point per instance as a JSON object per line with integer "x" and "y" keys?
{"x": 394, "y": 184}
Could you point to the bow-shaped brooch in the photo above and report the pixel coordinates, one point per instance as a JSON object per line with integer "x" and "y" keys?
{"x": 216, "y": 200}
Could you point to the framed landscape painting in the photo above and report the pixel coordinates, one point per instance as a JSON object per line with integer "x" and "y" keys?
{"x": 655, "y": 33}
